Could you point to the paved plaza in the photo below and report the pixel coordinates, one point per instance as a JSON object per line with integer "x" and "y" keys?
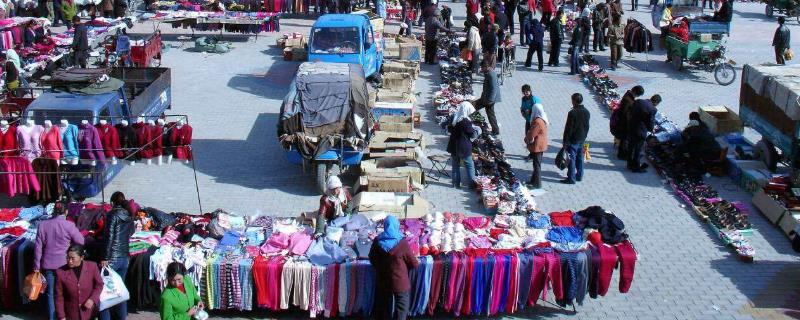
{"x": 683, "y": 271}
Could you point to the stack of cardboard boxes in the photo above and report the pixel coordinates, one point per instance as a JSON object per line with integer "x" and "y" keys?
{"x": 294, "y": 46}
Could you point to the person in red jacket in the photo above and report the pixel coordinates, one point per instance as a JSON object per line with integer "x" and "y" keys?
{"x": 391, "y": 257}
{"x": 78, "y": 286}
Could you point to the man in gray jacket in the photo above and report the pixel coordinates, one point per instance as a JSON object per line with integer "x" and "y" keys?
{"x": 489, "y": 96}
{"x": 781, "y": 41}
{"x": 80, "y": 42}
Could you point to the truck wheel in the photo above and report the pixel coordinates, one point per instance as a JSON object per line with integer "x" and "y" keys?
{"x": 325, "y": 170}
{"x": 769, "y": 11}
{"x": 768, "y": 154}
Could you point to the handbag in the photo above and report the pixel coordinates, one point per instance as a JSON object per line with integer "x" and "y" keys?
{"x": 114, "y": 290}
{"x": 788, "y": 54}
{"x": 35, "y": 284}
{"x": 562, "y": 158}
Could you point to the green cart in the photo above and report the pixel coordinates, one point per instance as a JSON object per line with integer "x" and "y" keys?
{"x": 788, "y": 7}
{"x": 705, "y": 52}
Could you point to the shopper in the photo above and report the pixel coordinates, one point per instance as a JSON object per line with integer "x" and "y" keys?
{"x": 408, "y": 19}
{"x": 576, "y": 43}
{"x": 491, "y": 45}
{"x": 486, "y": 22}
{"x": 575, "y": 132}
{"x": 490, "y": 95}
{"x": 535, "y": 36}
{"x": 53, "y": 238}
{"x": 536, "y": 141}
{"x": 460, "y": 144}
{"x": 80, "y": 42}
{"x": 510, "y": 8}
{"x": 473, "y": 7}
{"x": 548, "y": 9}
{"x": 391, "y": 257}
{"x": 664, "y": 23}
{"x": 641, "y": 121}
{"x": 619, "y": 120}
{"x": 333, "y": 204}
{"x": 556, "y": 37}
{"x": 599, "y": 16}
{"x": 781, "y": 41}
{"x": 698, "y": 143}
{"x": 116, "y": 236}
{"x": 12, "y": 75}
{"x": 78, "y": 285}
{"x": 474, "y": 44}
{"x": 180, "y": 300}
{"x": 615, "y": 38}
{"x": 501, "y": 21}
{"x": 525, "y": 15}
{"x": 634, "y": 4}
{"x": 432, "y": 27}
{"x": 587, "y": 29}
{"x": 615, "y": 6}
{"x": 725, "y": 13}
{"x": 526, "y": 106}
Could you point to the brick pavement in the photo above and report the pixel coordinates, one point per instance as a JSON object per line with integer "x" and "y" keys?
{"x": 683, "y": 271}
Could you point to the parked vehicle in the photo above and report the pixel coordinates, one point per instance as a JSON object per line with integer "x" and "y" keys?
{"x": 346, "y": 38}
{"x": 705, "y": 50}
{"x": 787, "y": 7}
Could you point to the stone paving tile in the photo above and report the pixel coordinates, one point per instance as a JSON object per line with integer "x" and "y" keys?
{"x": 683, "y": 272}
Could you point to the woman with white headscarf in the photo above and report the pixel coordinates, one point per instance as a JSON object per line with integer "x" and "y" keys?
{"x": 536, "y": 140}
{"x": 332, "y": 204}
{"x": 460, "y": 144}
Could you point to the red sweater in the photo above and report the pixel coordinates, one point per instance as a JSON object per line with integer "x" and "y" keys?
{"x": 109, "y": 138}
{"x": 8, "y": 141}
{"x": 393, "y": 266}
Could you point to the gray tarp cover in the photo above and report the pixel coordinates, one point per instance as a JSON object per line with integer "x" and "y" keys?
{"x": 781, "y": 84}
{"x": 327, "y": 98}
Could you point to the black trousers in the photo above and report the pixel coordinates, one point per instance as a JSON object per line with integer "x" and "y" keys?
{"x": 536, "y": 175}
{"x": 599, "y": 40}
{"x": 636, "y": 156}
{"x": 546, "y": 19}
{"x": 555, "y": 51}
{"x": 510, "y": 15}
{"x": 391, "y": 305}
{"x": 531, "y": 49}
{"x": 779, "y": 57}
{"x": 622, "y": 149}
{"x": 489, "y": 114}
{"x": 634, "y": 4}
{"x": 430, "y": 51}
{"x": 80, "y": 58}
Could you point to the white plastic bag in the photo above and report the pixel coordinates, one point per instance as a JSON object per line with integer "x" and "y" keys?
{"x": 114, "y": 290}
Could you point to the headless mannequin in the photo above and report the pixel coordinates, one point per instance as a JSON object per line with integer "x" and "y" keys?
{"x": 163, "y": 125}
{"x": 63, "y": 124}
{"x": 4, "y": 126}
{"x": 113, "y": 159}
{"x": 29, "y": 123}
{"x": 181, "y": 122}
{"x": 86, "y": 161}
{"x": 158, "y": 159}
{"x": 125, "y": 124}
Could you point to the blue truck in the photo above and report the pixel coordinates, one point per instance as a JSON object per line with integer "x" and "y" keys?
{"x": 146, "y": 92}
{"x": 347, "y": 38}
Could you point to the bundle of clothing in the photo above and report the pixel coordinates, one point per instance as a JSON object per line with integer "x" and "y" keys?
{"x": 637, "y": 37}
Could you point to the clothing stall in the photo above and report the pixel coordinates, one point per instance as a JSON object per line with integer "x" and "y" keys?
{"x": 245, "y": 23}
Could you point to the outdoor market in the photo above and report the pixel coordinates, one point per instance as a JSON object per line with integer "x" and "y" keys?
{"x": 391, "y": 159}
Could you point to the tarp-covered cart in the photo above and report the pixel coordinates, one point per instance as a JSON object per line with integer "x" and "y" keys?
{"x": 325, "y": 119}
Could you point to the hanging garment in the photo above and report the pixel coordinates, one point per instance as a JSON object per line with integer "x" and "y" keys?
{"x": 69, "y": 140}
{"x": 181, "y": 140}
{"x": 143, "y": 137}
{"x": 49, "y": 180}
{"x": 52, "y": 146}
{"x": 546, "y": 269}
{"x": 574, "y": 270}
{"x": 20, "y": 177}
{"x": 89, "y": 143}
{"x": 28, "y": 140}
{"x": 166, "y": 139}
{"x": 525, "y": 276}
{"x": 604, "y": 259}
{"x": 8, "y": 142}
{"x": 156, "y": 146}
{"x": 127, "y": 142}
{"x": 627, "y": 264}
{"x": 109, "y": 138}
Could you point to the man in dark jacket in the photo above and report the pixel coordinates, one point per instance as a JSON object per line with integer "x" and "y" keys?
{"x": 511, "y": 6}
{"x": 525, "y": 17}
{"x": 698, "y": 142}
{"x": 80, "y": 43}
{"x": 116, "y": 236}
{"x": 619, "y": 120}
{"x": 535, "y": 36}
{"x": 575, "y": 132}
{"x": 599, "y": 16}
{"x": 489, "y": 96}
{"x": 641, "y": 121}
{"x": 501, "y": 20}
{"x": 575, "y": 46}
{"x": 725, "y": 13}
{"x": 781, "y": 41}
{"x": 432, "y": 27}
{"x": 556, "y": 37}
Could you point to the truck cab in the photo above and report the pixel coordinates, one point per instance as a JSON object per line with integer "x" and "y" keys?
{"x": 346, "y": 38}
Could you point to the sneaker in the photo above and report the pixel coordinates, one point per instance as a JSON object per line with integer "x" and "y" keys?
{"x": 567, "y": 181}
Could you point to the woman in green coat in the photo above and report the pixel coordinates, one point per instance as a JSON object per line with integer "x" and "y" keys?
{"x": 180, "y": 300}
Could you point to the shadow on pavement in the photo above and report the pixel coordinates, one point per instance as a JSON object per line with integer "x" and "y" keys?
{"x": 274, "y": 83}
{"x": 777, "y": 293}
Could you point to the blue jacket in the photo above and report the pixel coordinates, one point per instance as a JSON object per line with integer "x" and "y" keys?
{"x": 527, "y": 106}
{"x": 69, "y": 137}
{"x": 535, "y": 34}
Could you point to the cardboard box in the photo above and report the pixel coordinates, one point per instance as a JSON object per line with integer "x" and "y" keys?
{"x": 398, "y": 81}
{"x": 396, "y": 123}
{"x": 299, "y": 54}
{"x": 395, "y": 166}
{"x": 295, "y": 42}
{"x": 410, "y": 67}
{"x": 386, "y": 95}
{"x": 385, "y": 182}
{"x": 385, "y": 139}
{"x": 789, "y": 222}
{"x": 392, "y": 50}
{"x": 401, "y": 205}
{"x": 392, "y": 108}
{"x": 281, "y": 42}
{"x": 287, "y": 54}
{"x": 720, "y": 119}
{"x": 769, "y": 207}
{"x": 755, "y": 179}
{"x": 411, "y": 51}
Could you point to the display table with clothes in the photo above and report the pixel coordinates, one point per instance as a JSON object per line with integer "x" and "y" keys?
{"x": 232, "y": 21}
{"x": 468, "y": 265}
{"x": 727, "y": 219}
